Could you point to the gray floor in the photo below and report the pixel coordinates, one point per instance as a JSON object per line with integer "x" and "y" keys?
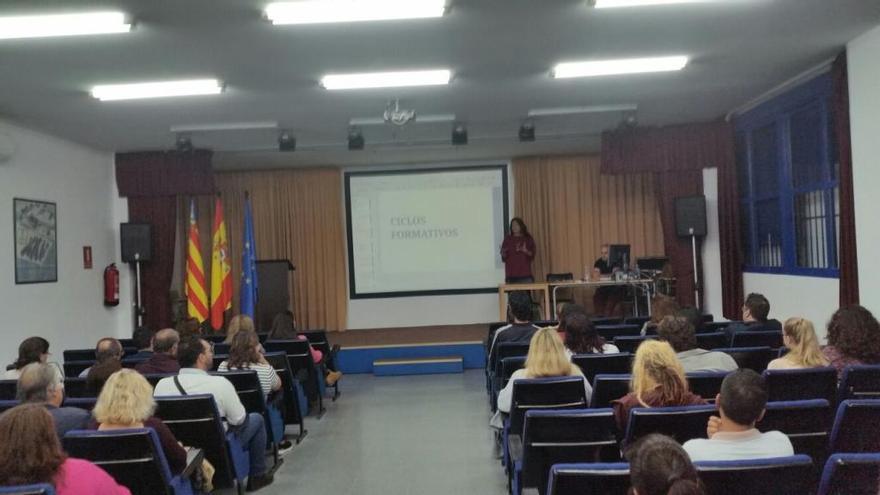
{"x": 397, "y": 435}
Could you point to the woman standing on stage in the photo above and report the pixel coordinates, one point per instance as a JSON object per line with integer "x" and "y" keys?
{"x": 517, "y": 253}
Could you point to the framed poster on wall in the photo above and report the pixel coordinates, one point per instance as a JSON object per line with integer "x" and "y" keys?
{"x": 36, "y": 241}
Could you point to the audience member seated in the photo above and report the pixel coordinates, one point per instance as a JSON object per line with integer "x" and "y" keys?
{"x": 246, "y": 353}
{"x": 659, "y": 466}
{"x": 30, "y": 453}
{"x": 563, "y": 310}
{"x": 546, "y": 358}
{"x": 31, "y": 350}
{"x": 521, "y": 330}
{"x": 236, "y": 324}
{"x": 127, "y": 402}
{"x": 40, "y": 383}
{"x": 657, "y": 381}
{"x": 187, "y": 327}
{"x": 800, "y": 338}
{"x": 754, "y": 317}
{"x": 581, "y": 336}
{"x": 733, "y": 436}
{"x": 143, "y": 339}
{"x": 661, "y": 307}
{"x": 164, "y": 358}
{"x": 108, "y": 360}
{"x": 853, "y": 338}
{"x": 680, "y": 334}
{"x": 284, "y": 328}
{"x": 196, "y": 357}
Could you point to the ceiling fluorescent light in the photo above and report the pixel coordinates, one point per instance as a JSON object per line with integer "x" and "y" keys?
{"x": 620, "y": 66}
{"x": 610, "y": 4}
{"x": 549, "y": 112}
{"x": 325, "y": 11}
{"x": 193, "y": 87}
{"x": 386, "y": 79}
{"x": 225, "y": 126}
{"x": 45, "y": 26}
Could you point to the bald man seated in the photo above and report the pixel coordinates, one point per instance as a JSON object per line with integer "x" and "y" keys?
{"x": 40, "y": 383}
{"x": 164, "y": 358}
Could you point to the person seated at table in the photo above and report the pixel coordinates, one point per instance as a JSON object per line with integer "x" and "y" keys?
{"x": 606, "y": 299}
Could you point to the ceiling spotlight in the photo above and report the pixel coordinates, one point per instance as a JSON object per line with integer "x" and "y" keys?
{"x": 527, "y": 132}
{"x": 459, "y": 134}
{"x": 286, "y": 141}
{"x": 183, "y": 143}
{"x": 355, "y": 139}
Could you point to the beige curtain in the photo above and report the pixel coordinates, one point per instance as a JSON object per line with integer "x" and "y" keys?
{"x": 571, "y": 210}
{"x": 297, "y": 216}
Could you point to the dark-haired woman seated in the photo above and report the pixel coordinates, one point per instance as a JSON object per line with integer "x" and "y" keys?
{"x": 853, "y": 338}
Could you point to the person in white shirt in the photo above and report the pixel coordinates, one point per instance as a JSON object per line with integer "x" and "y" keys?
{"x": 546, "y": 359}
{"x": 579, "y": 334}
{"x": 196, "y": 357}
{"x": 733, "y": 436}
{"x": 680, "y": 334}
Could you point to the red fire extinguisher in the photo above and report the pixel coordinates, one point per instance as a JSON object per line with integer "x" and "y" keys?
{"x": 111, "y": 285}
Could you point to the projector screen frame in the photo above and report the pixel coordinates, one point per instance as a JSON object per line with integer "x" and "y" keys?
{"x": 352, "y": 291}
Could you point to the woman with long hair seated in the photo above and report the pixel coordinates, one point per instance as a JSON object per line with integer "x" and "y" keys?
{"x": 657, "y": 381}
{"x": 246, "y": 353}
{"x": 284, "y": 328}
{"x": 30, "y": 453}
{"x": 31, "y": 350}
{"x": 546, "y": 358}
{"x": 658, "y": 465}
{"x": 126, "y": 401}
{"x": 581, "y": 336}
{"x": 799, "y": 337}
{"x": 853, "y": 338}
{"x": 238, "y": 323}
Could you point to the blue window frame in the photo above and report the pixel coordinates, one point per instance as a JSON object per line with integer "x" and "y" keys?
{"x": 788, "y": 183}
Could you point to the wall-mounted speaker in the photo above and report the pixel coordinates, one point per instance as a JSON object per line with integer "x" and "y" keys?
{"x": 690, "y": 216}
{"x": 135, "y": 241}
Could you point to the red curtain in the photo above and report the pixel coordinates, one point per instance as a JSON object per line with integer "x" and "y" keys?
{"x": 847, "y": 259}
{"x": 677, "y": 155}
{"x": 152, "y": 181}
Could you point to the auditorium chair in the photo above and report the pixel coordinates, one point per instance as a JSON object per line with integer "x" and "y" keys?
{"x": 563, "y": 294}
{"x": 218, "y": 360}
{"x": 318, "y": 340}
{"x": 807, "y": 423}
{"x": 753, "y": 358}
{"x": 631, "y": 344}
{"x": 154, "y": 378}
{"x": 294, "y": 401}
{"x": 221, "y": 348}
{"x": 715, "y": 326}
{"x": 195, "y": 422}
{"x": 706, "y": 384}
{"x": 40, "y": 489}
{"x": 859, "y": 382}
{"x": 8, "y": 389}
{"x": 595, "y": 364}
{"x": 134, "y": 458}
{"x": 589, "y": 479}
{"x": 131, "y": 363}
{"x": 855, "y": 427}
{"x": 606, "y": 320}
{"x": 299, "y": 359}
{"x": 6, "y": 405}
{"x": 76, "y": 387}
{"x": 79, "y": 355}
{"x": 775, "y": 476}
{"x": 86, "y": 403}
{"x": 608, "y": 387}
{"x": 850, "y": 474}
{"x": 801, "y": 384}
{"x": 610, "y": 332}
{"x": 637, "y": 320}
{"x": 710, "y": 341}
{"x": 250, "y": 393}
{"x": 504, "y": 350}
{"x": 215, "y": 339}
{"x": 567, "y": 436}
{"x": 508, "y": 367}
{"x": 762, "y": 338}
{"x": 72, "y": 369}
{"x": 681, "y": 423}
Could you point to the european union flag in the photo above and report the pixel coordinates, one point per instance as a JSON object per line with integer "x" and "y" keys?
{"x": 248, "y": 295}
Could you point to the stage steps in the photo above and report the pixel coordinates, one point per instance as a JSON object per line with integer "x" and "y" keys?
{"x": 430, "y": 365}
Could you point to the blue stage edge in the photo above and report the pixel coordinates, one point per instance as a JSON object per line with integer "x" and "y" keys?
{"x": 352, "y": 360}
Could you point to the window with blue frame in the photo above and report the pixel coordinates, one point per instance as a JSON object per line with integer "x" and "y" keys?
{"x": 788, "y": 183}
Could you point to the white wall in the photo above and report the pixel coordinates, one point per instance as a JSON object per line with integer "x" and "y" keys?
{"x": 864, "y": 109}
{"x": 711, "y": 253}
{"x": 809, "y": 297}
{"x": 70, "y": 312}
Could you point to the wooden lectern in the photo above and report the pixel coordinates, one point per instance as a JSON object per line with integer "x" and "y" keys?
{"x": 274, "y": 291}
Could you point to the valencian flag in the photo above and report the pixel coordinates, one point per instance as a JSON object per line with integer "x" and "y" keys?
{"x": 221, "y": 276}
{"x": 196, "y": 297}
{"x": 248, "y": 295}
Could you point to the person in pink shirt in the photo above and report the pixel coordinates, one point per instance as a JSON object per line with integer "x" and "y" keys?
{"x": 30, "y": 453}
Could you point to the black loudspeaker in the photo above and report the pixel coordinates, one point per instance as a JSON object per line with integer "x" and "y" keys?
{"x": 135, "y": 238}
{"x": 690, "y": 216}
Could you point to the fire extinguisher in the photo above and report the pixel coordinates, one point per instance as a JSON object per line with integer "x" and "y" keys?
{"x": 111, "y": 285}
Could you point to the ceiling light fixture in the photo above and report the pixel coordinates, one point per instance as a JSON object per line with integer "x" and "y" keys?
{"x": 183, "y": 143}
{"x": 527, "y": 131}
{"x": 326, "y": 11}
{"x": 286, "y": 141}
{"x": 355, "y": 139}
{"x": 610, "y": 4}
{"x": 386, "y": 79}
{"x": 556, "y": 111}
{"x": 111, "y": 92}
{"x": 459, "y": 135}
{"x": 46, "y": 26}
{"x": 225, "y": 126}
{"x": 593, "y": 68}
